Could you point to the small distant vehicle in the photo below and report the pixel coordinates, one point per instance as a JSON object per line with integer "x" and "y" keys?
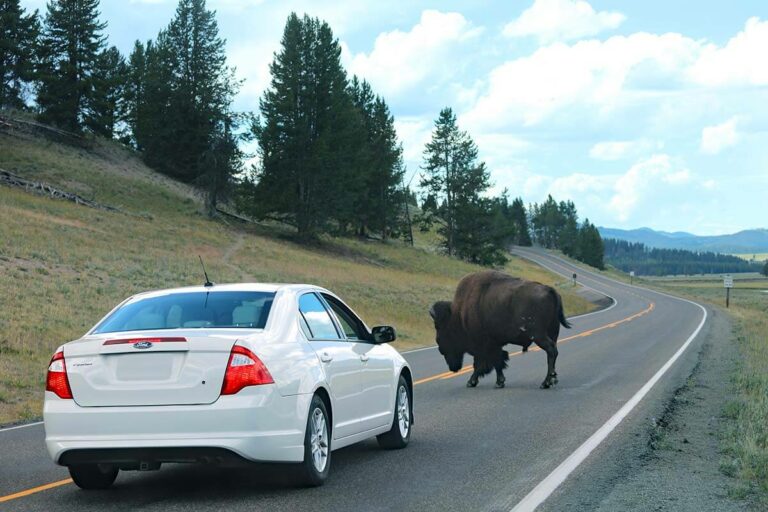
{"x": 224, "y": 374}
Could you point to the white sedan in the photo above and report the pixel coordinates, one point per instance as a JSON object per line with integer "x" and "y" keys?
{"x": 224, "y": 374}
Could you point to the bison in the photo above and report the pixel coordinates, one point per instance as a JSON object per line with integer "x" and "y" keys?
{"x": 491, "y": 309}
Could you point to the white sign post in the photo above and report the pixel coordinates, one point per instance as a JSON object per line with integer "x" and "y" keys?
{"x": 631, "y": 276}
{"x": 727, "y": 284}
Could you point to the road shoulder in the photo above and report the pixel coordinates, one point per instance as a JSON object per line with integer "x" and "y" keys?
{"x": 669, "y": 458}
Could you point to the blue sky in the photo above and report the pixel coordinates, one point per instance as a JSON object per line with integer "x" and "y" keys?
{"x": 650, "y": 113}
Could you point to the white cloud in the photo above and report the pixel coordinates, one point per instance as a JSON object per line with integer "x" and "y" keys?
{"x": 252, "y": 60}
{"x": 619, "y": 149}
{"x": 400, "y": 60}
{"x": 641, "y": 179}
{"x": 414, "y": 133}
{"x": 591, "y": 74}
{"x": 591, "y": 80}
{"x": 739, "y": 62}
{"x": 715, "y": 139}
{"x": 562, "y": 20}
{"x": 576, "y": 186}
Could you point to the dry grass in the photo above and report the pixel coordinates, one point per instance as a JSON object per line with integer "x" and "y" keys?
{"x": 63, "y": 266}
{"x": 753, "y": 256}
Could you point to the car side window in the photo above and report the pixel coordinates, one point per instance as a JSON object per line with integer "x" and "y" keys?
{"x": 316, "y": 318}
{"x": 353, "y": 327}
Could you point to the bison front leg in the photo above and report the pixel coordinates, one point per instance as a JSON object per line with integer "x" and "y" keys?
{"x": 499, "y": 367}
{"x": 548, "y": 346}
{"x": 474, "y": 379}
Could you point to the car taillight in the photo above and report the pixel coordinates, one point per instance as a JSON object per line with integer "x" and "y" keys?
{"x": 244, "y": 369}
{"x": 57, "y": 380}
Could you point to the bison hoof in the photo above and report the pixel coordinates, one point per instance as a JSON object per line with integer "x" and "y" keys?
{"x": 471, "y": 383}
{"x": 499, "y": 385}
{"x": 544, "y": 385}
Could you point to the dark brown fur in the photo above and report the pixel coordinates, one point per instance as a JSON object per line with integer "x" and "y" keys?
{"x": 491, "y": 309}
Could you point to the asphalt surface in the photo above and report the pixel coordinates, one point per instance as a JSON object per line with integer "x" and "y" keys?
{"x": 471, "y": 449}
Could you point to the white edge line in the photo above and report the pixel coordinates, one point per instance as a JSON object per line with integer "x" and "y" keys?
{"x": 20, "y": 426}
{"x": 418, "y": 350}
{"x": 547, "y": 486}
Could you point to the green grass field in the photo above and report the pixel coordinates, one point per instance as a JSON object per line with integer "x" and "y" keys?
{"x": 63, "y": 266}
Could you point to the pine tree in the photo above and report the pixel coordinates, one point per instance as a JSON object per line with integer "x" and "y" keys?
{"x": 569, "y": 230}
{"x": 448, "y": 156}
{"x": 70, "y": 47}
{"x": 105, "y": 105}
{"x": 457, "y": 180}
{"x": 221, "y": 162}
{"x": 310, "y": 135}
{"x": 18, "y": 42}
{"x": 183, "y": 94}
{"x": 134, "y": 91}
{"x": 548, "y": 221}
{"x": 150, "y": 110}
{"x": 520, "y": 219}
{"x": 380, "y": 163}
{"x": 590, "y": 245}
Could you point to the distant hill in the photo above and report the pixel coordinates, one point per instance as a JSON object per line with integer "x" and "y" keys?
{"x": 747, "y": 241}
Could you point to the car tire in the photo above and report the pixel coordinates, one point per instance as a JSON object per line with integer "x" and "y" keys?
{"x": 93, "y": 476}
{"x": 400, "y": 433}
{"x": 317, "y": 445}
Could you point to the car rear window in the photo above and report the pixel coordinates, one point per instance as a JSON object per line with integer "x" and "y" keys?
{"x": 192, "y": 310}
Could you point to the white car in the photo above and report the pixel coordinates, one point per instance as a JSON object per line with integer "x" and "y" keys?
{"x": 224, "y": 374}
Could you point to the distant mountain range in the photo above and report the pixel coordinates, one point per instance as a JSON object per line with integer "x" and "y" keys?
{"x": 747, "y": 241}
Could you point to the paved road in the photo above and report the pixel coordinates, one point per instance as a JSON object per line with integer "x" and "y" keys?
{"x": 472, "y": 449}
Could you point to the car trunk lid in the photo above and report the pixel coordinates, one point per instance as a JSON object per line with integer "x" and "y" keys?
{"x": 169, "y": 367}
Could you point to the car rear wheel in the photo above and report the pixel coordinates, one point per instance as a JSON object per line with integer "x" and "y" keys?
{"x": 93, "y": 476}
{"x": 400, "y": 433}
{"x": 317, "y": 445}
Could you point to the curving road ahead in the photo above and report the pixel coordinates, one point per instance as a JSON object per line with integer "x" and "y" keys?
{"x": 472, "y": 449}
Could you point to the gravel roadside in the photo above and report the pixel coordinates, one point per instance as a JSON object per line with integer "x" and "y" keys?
{"x": 670, "y": 460}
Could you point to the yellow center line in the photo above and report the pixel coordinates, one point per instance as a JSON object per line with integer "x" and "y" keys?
{"x": 468, "y": 368}
{"x": 33, "y": 490}
{"x": 444, "y": 375}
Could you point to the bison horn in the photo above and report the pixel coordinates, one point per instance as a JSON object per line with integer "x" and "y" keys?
{"x": 432, "y": 313}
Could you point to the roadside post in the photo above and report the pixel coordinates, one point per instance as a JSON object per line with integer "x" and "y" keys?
{"x": 574, "y": 279}
{"x": 727, "y": 284}
{"x": 631, "y": 276}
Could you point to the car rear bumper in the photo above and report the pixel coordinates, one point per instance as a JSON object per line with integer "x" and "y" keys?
{"x": 257, "y": 424}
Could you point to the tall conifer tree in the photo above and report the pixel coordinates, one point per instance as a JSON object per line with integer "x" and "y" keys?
{"x": 106, "y": 102}
{"x": 180, "y": 92}
{"x": 19, "y": 34}
{"x": 310, "y": 134}
{"x": 457, "y": 180}
{"x": 71, "y": 43}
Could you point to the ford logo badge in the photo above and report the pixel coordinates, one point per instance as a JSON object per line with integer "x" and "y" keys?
{"x": 142, "y": 345}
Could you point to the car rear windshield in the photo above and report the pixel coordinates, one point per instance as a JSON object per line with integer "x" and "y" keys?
{"x": 192, "y": 310}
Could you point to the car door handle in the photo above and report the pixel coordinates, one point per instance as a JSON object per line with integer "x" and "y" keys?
{"x": 364, "y": 358}
{"x": 326, "y": 357}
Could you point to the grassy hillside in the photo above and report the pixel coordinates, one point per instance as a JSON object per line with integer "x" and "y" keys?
{"x": 63, "y": 266}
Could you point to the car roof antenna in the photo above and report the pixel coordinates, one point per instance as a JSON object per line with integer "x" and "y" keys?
{"x": 208, "y": 282}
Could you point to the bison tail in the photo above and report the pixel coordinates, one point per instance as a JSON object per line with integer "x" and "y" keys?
{"x": 560, "y": 312}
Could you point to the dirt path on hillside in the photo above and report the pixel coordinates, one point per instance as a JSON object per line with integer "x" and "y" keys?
{"x": 230, "y": 252}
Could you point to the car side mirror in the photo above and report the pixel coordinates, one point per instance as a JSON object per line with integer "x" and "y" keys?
{"x": 383, "y": 334}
